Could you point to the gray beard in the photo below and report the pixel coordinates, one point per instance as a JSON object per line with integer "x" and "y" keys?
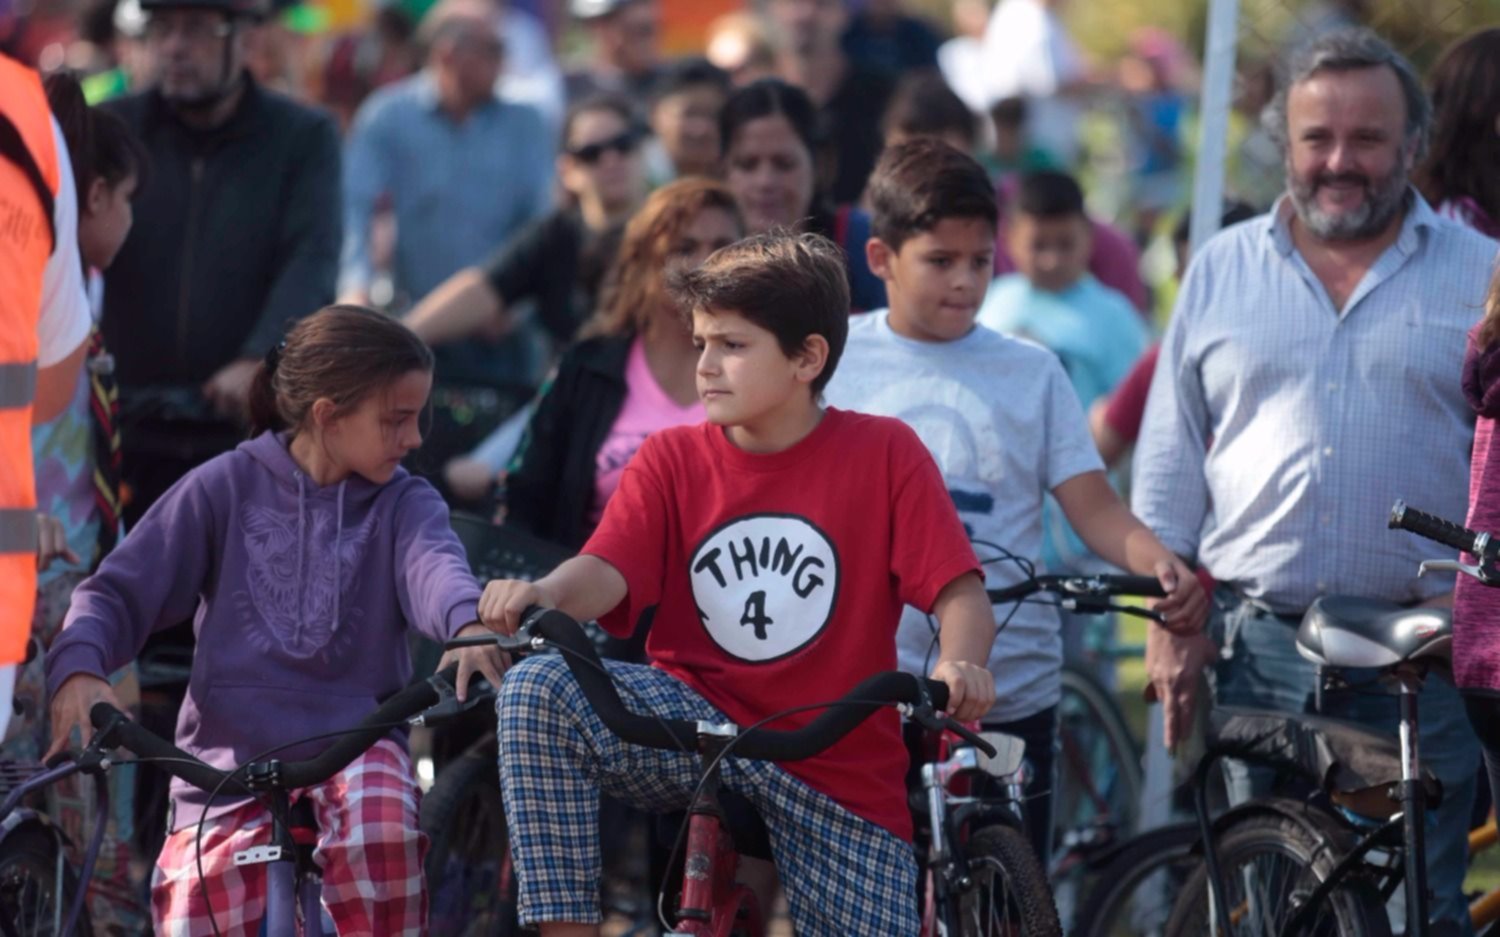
{"x": 1383, "y": 202}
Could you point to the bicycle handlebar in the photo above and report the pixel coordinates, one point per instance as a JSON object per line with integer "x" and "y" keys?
{"x": 837, "y": 721}
{"x": 1096, "y": 587}
{"x": 1442, "y": 531}
{"x": 119, "y": 731}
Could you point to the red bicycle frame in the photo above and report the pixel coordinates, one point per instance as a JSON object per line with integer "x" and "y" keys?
{"x": 713, "y": 903}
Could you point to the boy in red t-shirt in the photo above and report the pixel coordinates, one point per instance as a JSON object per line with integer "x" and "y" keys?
{"x": 778, "y": 543}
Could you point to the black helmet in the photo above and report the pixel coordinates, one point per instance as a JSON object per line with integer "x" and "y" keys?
{"x": 248, "y": 9}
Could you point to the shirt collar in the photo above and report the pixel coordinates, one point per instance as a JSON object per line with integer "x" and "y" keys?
{"x": 1419, "y": 215}
{"x": 426, "y": 92}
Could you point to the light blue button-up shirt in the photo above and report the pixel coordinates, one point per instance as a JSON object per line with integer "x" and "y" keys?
{"x": 1280, "y": 429}
{"x": 459, "y": 190}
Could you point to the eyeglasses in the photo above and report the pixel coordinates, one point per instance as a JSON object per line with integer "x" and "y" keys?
{"x": 160, "y": 28}
{"x": 590, "y": 153}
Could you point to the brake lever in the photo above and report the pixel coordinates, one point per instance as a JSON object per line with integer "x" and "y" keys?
{"x": 1482, "y": 572}
{"x": 448, "y": 705}
{"x": 1086, "y": 605}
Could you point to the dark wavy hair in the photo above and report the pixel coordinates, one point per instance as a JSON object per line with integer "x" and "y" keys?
{"x": 100, "y": 146}
{"x": 1464, "y": 157}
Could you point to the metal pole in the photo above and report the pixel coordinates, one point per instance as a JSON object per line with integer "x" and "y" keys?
{"x": 1213, "y": 118}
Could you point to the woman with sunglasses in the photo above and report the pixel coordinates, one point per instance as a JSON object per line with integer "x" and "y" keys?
{"x": 773, "y": 146}
{"x": 560, "y": 260}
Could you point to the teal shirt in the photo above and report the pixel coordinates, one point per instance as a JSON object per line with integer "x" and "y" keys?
{"x": 1093, "y": 329}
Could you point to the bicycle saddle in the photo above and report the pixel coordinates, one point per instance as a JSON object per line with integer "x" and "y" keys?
{"x": 1349, "y": 631}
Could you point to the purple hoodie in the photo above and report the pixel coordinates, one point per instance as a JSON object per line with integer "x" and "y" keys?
{"x": 1476, "y": 608}
{"x": 251, "y": 549}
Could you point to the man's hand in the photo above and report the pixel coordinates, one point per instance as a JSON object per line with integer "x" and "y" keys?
{"x": 1186, "y": 606}
{"x": 70, "y": 709}
{"x": 1174, "y": 664}
{"x": 490, "y": 661}
{"x": 971, "y": 689}
{"x": 504, "y": 601}
{"x": 52, "y": 542}
{"x": 229, "y": 389}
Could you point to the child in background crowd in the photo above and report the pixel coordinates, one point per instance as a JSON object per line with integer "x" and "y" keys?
{"x": 78, "y": 499}
{"x": 1004, "y": 426}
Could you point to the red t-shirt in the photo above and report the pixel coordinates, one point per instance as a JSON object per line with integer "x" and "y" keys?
{"x": 779, "y": 578}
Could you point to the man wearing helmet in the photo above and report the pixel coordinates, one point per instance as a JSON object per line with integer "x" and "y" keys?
{"x": 237, "y": 236}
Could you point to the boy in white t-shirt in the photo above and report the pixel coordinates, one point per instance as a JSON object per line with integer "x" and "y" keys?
{"x": 1000, "y": 417}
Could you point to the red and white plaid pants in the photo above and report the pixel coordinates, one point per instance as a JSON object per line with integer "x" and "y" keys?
{"x": 369, "y": 848}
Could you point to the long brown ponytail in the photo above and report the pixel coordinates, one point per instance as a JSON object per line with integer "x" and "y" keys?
{"x": 342, "y": 353}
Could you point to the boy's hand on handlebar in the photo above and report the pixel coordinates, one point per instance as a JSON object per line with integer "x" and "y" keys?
{"x": 505, "y": 600}
{"x": 971, "y": 689}
{"x": 490, "y": 661}
{"x": 1185, "y": 609}
{"x": 70, "y": 709}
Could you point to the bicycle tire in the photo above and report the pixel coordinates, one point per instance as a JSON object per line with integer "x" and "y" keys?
{"x": 1101, "y": 771}
{"x": 28, "y": 884}
{"x": 1113, "y": 906}
{"x": 1096, "y": 798}
{"x": 471, "y": 884}
{"x": 1001, "y": 857}
{"x": 1256, "y": 841}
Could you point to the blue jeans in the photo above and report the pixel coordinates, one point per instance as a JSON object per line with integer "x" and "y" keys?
{"x": 1259, "y": 666}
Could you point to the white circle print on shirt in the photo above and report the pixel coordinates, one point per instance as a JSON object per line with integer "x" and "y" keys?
{"x": 765, "y": 585}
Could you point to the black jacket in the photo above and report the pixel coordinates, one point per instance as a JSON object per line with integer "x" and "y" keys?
{"x": 551, "y": 482}
{"x": 236, "y": 234}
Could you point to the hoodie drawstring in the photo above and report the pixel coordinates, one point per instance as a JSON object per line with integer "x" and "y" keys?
{"x": 301, "y": 539}
{"x": 338, "y": 557}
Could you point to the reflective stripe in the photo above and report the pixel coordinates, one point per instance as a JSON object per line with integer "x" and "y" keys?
{"x": 17, "y": 530}
{"x": 17, "y": 385}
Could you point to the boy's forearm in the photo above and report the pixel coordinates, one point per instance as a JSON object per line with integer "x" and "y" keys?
{"x": 1107, "y": 526}
{"x": 584, "y": 587}
{"x": 966, "y": 621}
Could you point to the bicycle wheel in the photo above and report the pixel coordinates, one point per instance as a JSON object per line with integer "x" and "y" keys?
{"x": 471, "y": 884}
{"x": 1132, "y": 895}
{"x": 1271, "y": 864}
{"x": 1009, "y": 895}
{"x": 1097, "y": 799}
{"x": 31, "y": 904}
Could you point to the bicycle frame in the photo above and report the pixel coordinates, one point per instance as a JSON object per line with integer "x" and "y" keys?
{"x": 1411, "y": 822}
{"x": 712, "y": 901}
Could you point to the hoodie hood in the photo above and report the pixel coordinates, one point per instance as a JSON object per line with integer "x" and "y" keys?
{"x": 1481, "y": 376}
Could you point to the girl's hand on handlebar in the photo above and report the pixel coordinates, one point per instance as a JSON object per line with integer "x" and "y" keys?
{"x": 971, "y": 689}
{"x": 70, "y": 709}
{"x": 490, "y": 661}
{"x": 505, "y": 600}
{"x": 1185, "y": 609}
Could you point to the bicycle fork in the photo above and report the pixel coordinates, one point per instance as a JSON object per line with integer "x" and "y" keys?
{"x": 948, "y": 867}
{"x": 1414, "y": 805}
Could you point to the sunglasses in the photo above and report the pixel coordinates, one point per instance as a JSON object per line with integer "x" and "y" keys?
{"x": 589, "y": 154}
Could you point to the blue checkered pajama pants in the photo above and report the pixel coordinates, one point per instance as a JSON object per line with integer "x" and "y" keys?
{"x": 843, "y": 875}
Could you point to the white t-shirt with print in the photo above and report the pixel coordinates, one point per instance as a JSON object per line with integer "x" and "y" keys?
{"x": 1004, "y": 424}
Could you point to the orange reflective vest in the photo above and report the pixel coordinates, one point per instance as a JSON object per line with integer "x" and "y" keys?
{"x": 29, "y": 177}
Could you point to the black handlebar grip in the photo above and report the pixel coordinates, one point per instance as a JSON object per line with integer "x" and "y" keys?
{"x": 1145, "y": 586}
{"x": 837, "y": 721}
{"x": 374, "y": 727}
{"x": 120, "y": 732}
{"x": 599, "y": 688}
{"x": 1435, "y": 528}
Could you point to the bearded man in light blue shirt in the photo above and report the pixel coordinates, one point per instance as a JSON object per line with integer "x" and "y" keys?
{"x": 1309, "y": 378}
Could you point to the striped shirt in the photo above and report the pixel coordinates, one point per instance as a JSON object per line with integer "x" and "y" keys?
{"x": 1318, "y": 418}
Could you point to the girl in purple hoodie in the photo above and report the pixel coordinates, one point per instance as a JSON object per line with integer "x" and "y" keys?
{"x": 302, "y": 557}
{"x": 1476, "y": 607}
